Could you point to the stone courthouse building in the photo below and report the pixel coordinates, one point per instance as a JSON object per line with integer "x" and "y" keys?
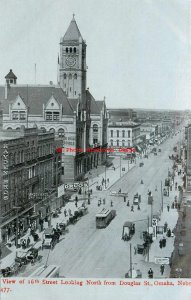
{"x": 67, "y": 109}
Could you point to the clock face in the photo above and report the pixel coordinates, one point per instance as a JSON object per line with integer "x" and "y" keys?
{"x": 70, "y": 61}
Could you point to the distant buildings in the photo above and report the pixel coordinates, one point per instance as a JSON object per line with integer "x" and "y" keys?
{"x": 123, "y": 134}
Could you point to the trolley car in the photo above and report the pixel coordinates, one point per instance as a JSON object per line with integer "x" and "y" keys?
{"x": 104, "y": 217}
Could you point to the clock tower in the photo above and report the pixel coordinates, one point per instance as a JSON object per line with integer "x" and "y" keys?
{"x": 72, "y": 64}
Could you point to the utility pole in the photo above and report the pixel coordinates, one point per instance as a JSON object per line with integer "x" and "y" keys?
{"x": 120, "y": 166}
{"x": 148, "y": 246}
{"x": 105, "y": 176}
{"x": 130, "y": 261}
{"x": 162, "y": 196}
{"x": 151, "y": 212}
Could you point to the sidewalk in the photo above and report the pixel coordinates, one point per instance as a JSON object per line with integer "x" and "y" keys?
{"x": 171, "y": 218}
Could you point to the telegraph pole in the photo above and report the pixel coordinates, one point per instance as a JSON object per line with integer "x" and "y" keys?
{"x": 162, "y": 196}
{"x": 130, "y": 261}
{"x": 148, "y": 246}
{"x": 120, "y": 166}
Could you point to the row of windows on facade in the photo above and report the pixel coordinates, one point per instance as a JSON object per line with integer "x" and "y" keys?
{"x": 70, "y": 50}
{"x": 21, "y": 156}
{"x": 43, "y": 172}
{"x": 75, "y": 76}
{"x": 61, "y": 131}
{"x": 123, "y": 133}
{"x": 21, "y": 115}
{"x": 120, "y": 143}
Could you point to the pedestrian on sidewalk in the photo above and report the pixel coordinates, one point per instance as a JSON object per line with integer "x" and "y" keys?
{"x": 163, "y": 242}
{"x": 76, "y": 204}
{"x": 172, "y": 205}
{"x": 162, "y": 269}
{"x": 178, "y": 206}
{"x": 169, "y": 233}
{"x": 160, "y": 244}
{"x": 76, "y": 198}
{"x": 155, "y": 188}
{"x": 132, "y": 208}
{"x": 138, "y": 207}
{"x": 70, "y": 212}
{"x": 165, "y": 226}
{"x": 119, "y": 191}
{"x": 128, "y": 203}
{"x": 28, "y": 241}
{"x": 168, "y": 207}
{"x": 65, "y": 213}
{"x": 124, "y": 199}
{"x": 99, "y": 202}
{"x": 150, "y": 273}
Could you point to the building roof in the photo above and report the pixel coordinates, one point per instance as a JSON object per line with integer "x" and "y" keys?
{"x": 72, "y": 33}
{"x": 11, "y": 75}
{"x": 34, "y": 97}
{"x": 96, "y": 105}
{"x": 123, "y": 124}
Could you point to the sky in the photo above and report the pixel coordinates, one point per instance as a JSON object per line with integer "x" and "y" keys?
{"x": 138, "y": 51}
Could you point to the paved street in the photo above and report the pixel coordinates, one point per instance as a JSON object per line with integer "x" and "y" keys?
{"x": 89, "y": 252}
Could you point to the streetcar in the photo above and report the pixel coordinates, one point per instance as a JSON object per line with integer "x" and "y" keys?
{"x": 104, "y": 217}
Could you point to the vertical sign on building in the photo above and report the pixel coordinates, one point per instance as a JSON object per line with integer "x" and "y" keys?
{"x": 189, "y": 160}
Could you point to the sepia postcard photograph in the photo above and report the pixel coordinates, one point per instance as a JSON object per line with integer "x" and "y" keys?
{"x": 95, "y": 149}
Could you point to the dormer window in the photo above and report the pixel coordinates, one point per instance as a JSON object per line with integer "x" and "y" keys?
{"x": 52, "y": 115}
{"x": 18, "y": 115}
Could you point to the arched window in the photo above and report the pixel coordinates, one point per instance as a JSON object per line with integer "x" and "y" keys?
{"x": 70, "y": 49}
{"x": 17, "y": 128}
{"x": 61, "y": 132}
{"x": 52, "y": 130}
{"x": 95, "y": 128}
{"x": 70, "y": 76}
{"x": 43, "y": 129}
{"x": 74, "y": 49}
{"x": 67, "y": 50}
{"x": 65, "y": 75}
{"x": 75, "y": 76}
{"x": 9, "y": 128}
